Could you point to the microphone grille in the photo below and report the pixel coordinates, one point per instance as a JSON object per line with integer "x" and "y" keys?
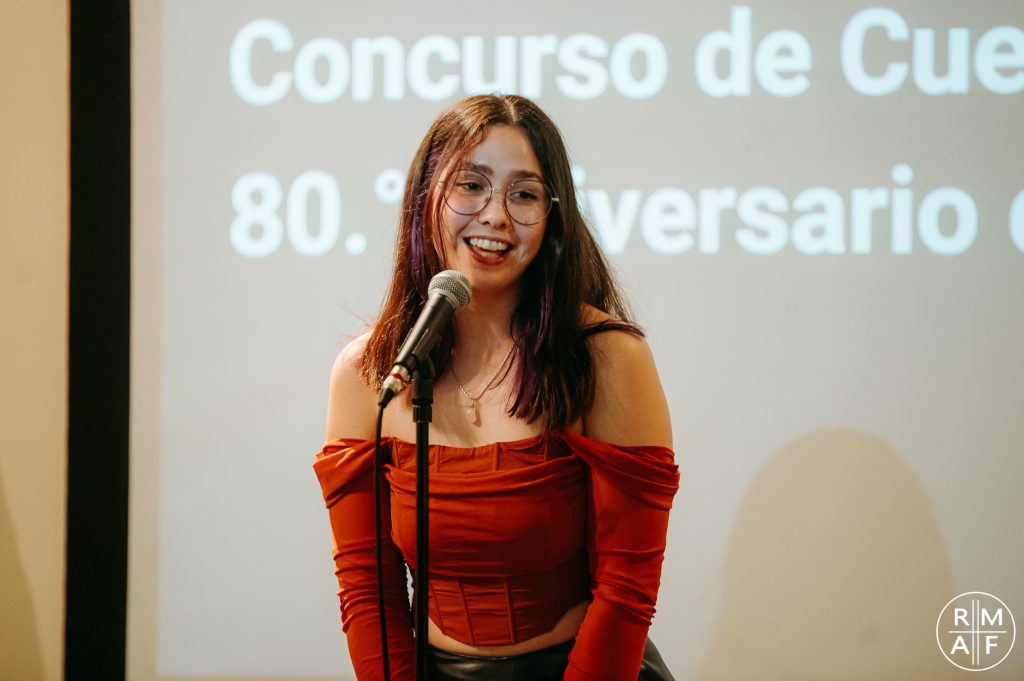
{"x": 452, "y": 285}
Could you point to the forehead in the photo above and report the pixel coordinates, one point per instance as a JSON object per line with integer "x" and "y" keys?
{"x": 505, "y": 150}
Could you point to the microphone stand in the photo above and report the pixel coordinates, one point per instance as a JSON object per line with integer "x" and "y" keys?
{"x": 422, "y": 401}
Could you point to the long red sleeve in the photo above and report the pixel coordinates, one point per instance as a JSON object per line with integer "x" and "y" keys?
{"x": 345, "y": 471}
{"x": 630, "y": 495}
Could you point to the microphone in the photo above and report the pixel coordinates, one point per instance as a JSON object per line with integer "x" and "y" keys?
{"x": 447, "y": 293}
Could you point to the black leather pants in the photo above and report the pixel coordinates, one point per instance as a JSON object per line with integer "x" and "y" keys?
{"x": 547, "y": 664}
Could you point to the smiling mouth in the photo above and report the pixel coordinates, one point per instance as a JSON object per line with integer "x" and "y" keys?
{"x": 488, "y": 247}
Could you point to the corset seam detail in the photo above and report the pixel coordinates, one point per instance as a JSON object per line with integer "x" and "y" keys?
{"x": 465, "y": 610}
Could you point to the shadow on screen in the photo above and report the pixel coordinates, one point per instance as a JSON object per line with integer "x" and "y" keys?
{"x": 836, "y": 570}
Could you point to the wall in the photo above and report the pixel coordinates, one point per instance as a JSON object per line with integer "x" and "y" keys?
{"x": 33, "y": 344}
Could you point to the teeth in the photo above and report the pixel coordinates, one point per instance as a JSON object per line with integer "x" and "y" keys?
{"x": 488, "y": 245}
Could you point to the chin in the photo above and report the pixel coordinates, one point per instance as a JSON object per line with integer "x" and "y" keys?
{"x": 490, "y": 282}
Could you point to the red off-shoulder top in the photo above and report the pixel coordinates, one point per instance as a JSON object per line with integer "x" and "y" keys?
{"x": 520, "y": 532}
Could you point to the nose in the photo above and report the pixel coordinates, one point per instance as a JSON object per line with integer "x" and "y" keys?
{"x": 495, "y": 213}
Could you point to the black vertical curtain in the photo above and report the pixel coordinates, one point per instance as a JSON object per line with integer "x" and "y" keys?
{"x": 99, "y": 281}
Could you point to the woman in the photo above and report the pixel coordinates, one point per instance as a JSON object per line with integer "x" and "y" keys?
{"x": 551, "y": 468}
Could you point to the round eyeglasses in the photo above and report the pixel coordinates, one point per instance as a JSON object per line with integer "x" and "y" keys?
{"x": 527, "y": 201}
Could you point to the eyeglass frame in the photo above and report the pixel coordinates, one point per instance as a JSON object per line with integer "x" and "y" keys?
{"x": 443, "y": 181}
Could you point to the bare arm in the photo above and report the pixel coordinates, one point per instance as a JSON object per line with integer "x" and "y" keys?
{"x": 629, "y": 404}
{"x": 345, "y": 470}
{"x": 351, "y": 404}
{"x": 632, "y": 480}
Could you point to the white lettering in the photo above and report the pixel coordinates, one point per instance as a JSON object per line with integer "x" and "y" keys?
{"x": 820, "y": 232}
{"x": 712, "y": 203}
{"x": 389, "y": 186}
{"x": 990, "y": 620}
{"x": 735, "y": 44}
{"x": 1017, "y": 221}
{"x": 473, "y": 82}
{"x": 531, "y": 72}
{"x": 240, "y": 62}
{"x": 655, "y": 59}
{"x": 783, "y": 52}
{"x": 852, "y": 51}
{"x": 255, "y": 198}
{"x": 989, "y": 59}
{"x": 298, "y": 210}
{"x": 613, "y": 227}
{"x": 579, "y": 178}
{"x": 960, "y": 645}
{"x": 966, "y": 226}
{"x": 391, "y": 52}
{"x": 955, "y": 80}
{"x": 864, "y": 203}
{"x": 756, "y": 209}
{"x": 902, "y": 210}
{"x": 998, "y": 57}
{"x": 666, "y": 220}
{"x": 306, "y": 83}
{"x": 991, "y": 641}
{"x": 445, "y": 49}
{"x": 636, "y": 66}
{"x": 576, "y": 55}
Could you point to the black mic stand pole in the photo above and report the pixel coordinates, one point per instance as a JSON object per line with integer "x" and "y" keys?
{"x": 422, "y": 400}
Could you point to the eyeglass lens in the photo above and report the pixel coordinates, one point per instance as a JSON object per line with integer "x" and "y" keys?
{"x": 528, "y": 201}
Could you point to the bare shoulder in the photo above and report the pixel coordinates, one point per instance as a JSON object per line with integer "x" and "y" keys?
{"x": 629, "y": 405}
{"x": 350, "y": 402}
{"x": 619, "y": 343}
{"x": 591, "y": 316}
{"x": 350, "y": 357}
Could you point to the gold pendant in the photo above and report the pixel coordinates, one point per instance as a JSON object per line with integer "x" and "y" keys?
{"x": 474, "y": 413}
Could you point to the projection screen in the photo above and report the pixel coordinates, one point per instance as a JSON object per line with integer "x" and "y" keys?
{"x": 817, "y": 210}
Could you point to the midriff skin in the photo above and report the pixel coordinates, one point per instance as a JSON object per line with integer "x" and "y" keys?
{"x": 565, "y": 629}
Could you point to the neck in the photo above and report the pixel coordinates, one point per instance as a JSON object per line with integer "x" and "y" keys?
{"x": 483, "y": 328}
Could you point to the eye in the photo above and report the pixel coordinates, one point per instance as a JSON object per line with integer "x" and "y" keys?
{"x": 468, "y": 183}
{"x": 526, "y": 192}
{"x": 523, "y": 196}
{"x": 469, "y": 186}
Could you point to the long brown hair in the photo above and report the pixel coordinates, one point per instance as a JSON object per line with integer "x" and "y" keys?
{"x": 554, "y": 375}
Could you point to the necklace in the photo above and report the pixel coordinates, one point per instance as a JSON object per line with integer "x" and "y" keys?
{"x": 474, "y": 409}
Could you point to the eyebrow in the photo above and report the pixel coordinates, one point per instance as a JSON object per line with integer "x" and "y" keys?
{"x": 486, "y": 170}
